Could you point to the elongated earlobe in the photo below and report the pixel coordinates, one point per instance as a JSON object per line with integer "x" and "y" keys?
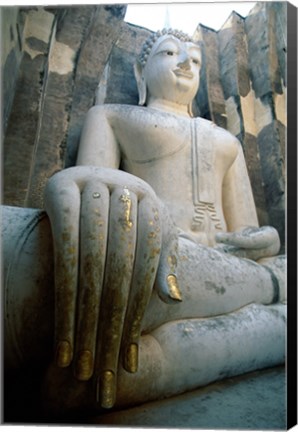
{"x": 189, "y": 109}
{"x": 141, "y": 83}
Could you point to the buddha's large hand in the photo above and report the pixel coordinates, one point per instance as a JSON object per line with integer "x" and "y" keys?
{"x": 112, "y": 242}
{"x": 251, "y": 242}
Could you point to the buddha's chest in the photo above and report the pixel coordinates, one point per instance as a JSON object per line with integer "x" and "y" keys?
{"x": 184, "y": 160}
{"x": 149, "y": 136}
{"x": 191, "y": 150}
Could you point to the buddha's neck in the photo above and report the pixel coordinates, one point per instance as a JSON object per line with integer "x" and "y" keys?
{"x": 168, "y": 106}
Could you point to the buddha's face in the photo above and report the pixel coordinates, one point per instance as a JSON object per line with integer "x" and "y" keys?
{"x": 172, "y": 71}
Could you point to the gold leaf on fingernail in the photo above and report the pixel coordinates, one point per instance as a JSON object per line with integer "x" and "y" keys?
{"x": 84, "y": 365}
{"x": 108, "y": 389}
{"x": 174, "y": 288}
{"x": 132, "y": 358}
{"x": 63, "y": 354}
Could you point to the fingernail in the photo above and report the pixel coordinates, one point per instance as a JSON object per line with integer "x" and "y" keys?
{"x": 84, "y": 365}
{"x": 174, "y": 290}
{"x": 106, "y": 389}
{"x": 63, "y": 354}
{"x": 132, "y": 358}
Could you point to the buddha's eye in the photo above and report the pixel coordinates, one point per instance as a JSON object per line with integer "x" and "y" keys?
{"x": 195, "y": 61}
{"x": 170, "y": 53}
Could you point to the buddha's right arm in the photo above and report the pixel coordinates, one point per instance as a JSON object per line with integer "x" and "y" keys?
{"x": 111, "y": 242}
{"x": 98, "y": 145}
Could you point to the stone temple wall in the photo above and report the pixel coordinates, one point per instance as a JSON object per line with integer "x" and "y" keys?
{"x": 63, "y": 55}
{"x": 58, "y": 61}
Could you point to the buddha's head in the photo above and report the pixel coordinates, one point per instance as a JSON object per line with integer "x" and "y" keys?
{"x": 168, "y": 68}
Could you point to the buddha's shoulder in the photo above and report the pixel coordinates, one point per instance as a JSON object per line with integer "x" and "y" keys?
{"x": 120, "y": 110}
{"x": 108, "y": 109}
{"x": 221, "y": 139}
{"x": 216, "y": 131}
{"x": 125, "y": 110}
{"x": 210, "y": 126}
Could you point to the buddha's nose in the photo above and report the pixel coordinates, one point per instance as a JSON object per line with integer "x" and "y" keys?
{"x": 184, "y": 61}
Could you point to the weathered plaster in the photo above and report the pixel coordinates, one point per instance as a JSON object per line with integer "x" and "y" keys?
{"x": 39, "y": 26}
{"x": 61, "y": 59}
{"x": 280, "y": 105}
{"x": 233, "y": 116}
{"x": 8, "y": 20}
{"x": 263, "y": 114}
{"x": 256, "y": 114}
{"x": 247, "y": 107}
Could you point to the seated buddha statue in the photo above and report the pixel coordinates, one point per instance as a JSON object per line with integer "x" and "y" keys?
{"x": 163, "y": 279}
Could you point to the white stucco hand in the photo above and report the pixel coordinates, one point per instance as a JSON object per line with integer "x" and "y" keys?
{"x": 112, "y": 242}
{"x": 250, "y": 242}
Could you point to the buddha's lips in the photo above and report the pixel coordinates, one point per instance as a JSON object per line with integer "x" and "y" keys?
{"x": 186, "y": 74}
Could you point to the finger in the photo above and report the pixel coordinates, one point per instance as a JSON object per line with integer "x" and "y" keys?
{"x": 62, "y": 200}
{"x": 93, "y": 243}
{"x": 250, "y": 237}
{"x": 146, "y": 263}
{"x": 225, "y": 237}
{"x": 118, "y": 273}
{"x": 166, "y": 280}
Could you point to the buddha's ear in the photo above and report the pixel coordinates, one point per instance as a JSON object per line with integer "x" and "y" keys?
{"x": 189, "y": 109}
{"x": 141, "y": 83}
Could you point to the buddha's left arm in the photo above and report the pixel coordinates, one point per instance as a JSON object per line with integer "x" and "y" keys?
{"x": 238, "y": 201}
{"x": 240, "y": 213}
